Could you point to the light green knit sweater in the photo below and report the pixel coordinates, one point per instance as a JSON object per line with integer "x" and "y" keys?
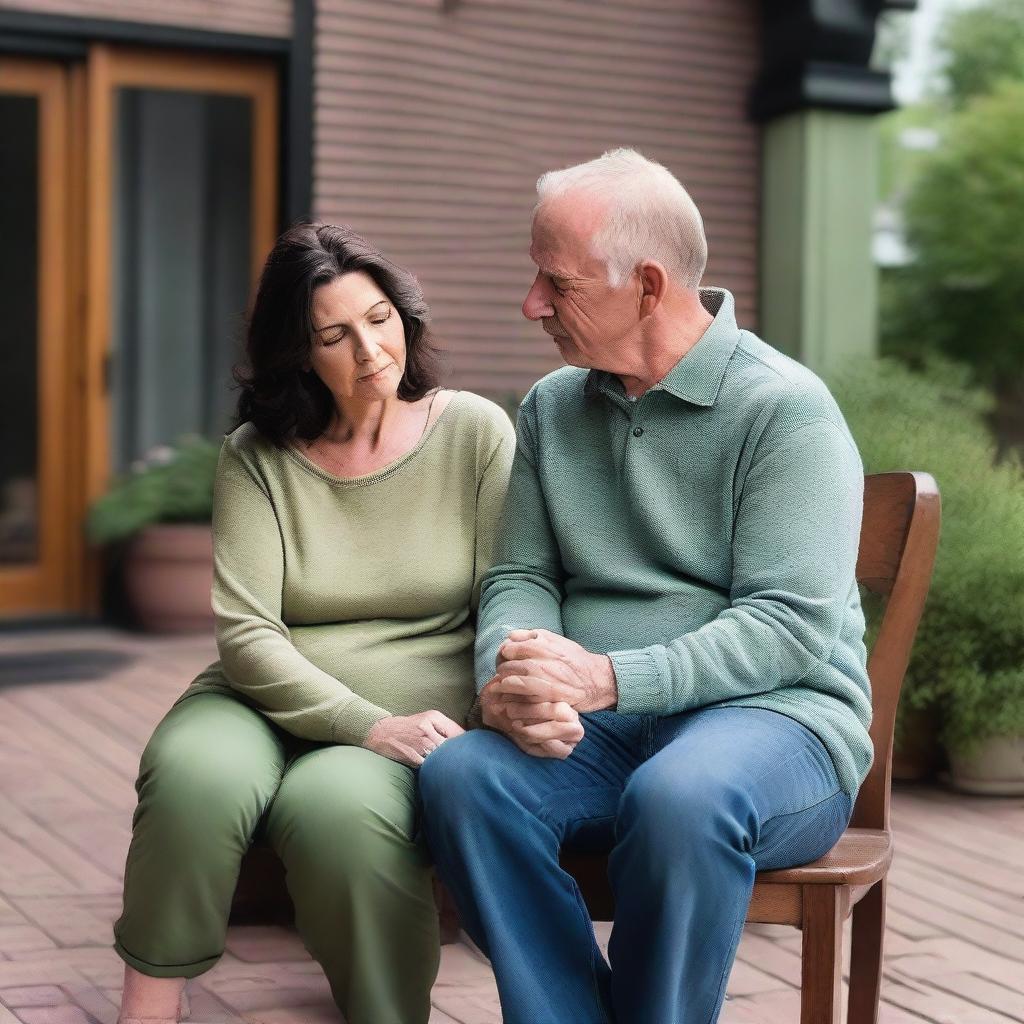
{"x": 704, "y": 536}
{"x": 339, "y": 602}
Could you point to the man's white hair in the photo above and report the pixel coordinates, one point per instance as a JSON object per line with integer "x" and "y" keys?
{"x": 650, "y": 215}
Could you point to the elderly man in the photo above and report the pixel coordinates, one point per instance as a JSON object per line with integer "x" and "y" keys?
{"x": 670, "y": 649}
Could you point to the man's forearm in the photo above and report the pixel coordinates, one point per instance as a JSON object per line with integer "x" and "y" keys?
{"x": 511, "y": 601}
{"x": 523, "y": 589}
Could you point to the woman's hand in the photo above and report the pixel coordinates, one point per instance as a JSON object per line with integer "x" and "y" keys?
{"x": 409, "y": 738}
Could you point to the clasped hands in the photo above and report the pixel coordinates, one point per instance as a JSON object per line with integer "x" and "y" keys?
{"x": 542, "y": 685}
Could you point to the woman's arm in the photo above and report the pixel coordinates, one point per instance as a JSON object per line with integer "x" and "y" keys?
{"x": 255, "y": 646}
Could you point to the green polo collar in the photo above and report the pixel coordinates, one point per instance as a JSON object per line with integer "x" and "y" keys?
{"x": 697, "y": 377}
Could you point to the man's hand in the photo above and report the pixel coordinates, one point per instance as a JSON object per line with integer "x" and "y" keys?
{"x": 536, "y": 666}
{"x": 549, "y": 729}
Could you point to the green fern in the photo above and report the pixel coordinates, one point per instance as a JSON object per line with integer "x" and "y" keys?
{"x": 175, "y": 487}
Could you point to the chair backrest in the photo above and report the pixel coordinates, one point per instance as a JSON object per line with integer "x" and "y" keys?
{"x": 898, "y": 539}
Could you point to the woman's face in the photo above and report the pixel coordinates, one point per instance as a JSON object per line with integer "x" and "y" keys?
{"x": 358, "y": 341}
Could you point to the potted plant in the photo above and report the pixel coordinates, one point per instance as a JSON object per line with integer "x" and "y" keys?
{"x": 967, "y": 668}
{"x": 160, "y": 511}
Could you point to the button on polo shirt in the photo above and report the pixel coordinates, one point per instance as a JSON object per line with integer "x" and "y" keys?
{"x": 704, "y": 536}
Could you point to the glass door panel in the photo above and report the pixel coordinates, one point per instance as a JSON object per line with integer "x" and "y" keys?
{"x": 182, "y": 237}
{"x": 19, "y": 353}
{"x": 36, "y": 352}
{"x": 184, "y": 151}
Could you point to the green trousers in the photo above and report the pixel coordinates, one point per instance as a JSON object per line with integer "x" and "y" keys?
{"x": 215, "y": 775}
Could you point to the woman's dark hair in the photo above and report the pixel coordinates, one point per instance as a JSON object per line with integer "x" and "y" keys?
{"x": 281, "y": 398}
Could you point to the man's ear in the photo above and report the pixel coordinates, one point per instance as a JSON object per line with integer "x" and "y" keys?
{"x": 653, "y": 286}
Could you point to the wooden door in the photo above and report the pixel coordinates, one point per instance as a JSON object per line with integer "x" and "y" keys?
{"x": 81, "y": 379}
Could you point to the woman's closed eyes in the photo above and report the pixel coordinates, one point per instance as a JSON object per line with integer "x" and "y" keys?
{"x": 379, "y": 317}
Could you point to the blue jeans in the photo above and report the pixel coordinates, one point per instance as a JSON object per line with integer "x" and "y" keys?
{"x": 691, "y": 807}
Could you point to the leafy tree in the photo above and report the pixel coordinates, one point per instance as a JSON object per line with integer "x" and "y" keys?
{"x": 963, "y": 294}
{"x": 983, "y": 44}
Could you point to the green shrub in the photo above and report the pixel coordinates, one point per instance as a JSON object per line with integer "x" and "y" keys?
{"x": 174, "y": 485}
{"x": 968, "y": 659}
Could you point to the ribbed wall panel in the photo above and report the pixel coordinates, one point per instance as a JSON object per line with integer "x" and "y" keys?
{"x": 252, "y": 17}
{"x": 433, "y": 125}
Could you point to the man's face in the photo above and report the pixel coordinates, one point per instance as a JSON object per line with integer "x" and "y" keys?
{"x": 593, "y": 324}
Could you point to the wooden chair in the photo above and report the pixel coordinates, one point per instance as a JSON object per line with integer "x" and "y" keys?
{"x": 899, "y": 536}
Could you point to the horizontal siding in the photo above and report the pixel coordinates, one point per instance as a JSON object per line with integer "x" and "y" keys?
{"x": 432, "y": 127}
{"x": 251, "y": 17}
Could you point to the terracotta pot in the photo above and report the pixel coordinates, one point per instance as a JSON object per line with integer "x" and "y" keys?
{"x": 995, "y": 769}
{"x": 168, "y": 574}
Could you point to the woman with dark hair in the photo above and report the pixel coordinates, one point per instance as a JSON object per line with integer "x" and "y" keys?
{"x": 354, "y": 513}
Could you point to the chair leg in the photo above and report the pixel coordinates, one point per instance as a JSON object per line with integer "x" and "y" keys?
{"x": 868, "y": 933}
{"x": 822, "y": 955}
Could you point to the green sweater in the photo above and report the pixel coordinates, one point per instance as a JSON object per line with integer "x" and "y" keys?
{"x": 340, "y": 602}
{"x": 705, "y": 536}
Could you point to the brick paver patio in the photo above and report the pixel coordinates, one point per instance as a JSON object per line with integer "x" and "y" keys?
{"x": 69, "y": 750}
